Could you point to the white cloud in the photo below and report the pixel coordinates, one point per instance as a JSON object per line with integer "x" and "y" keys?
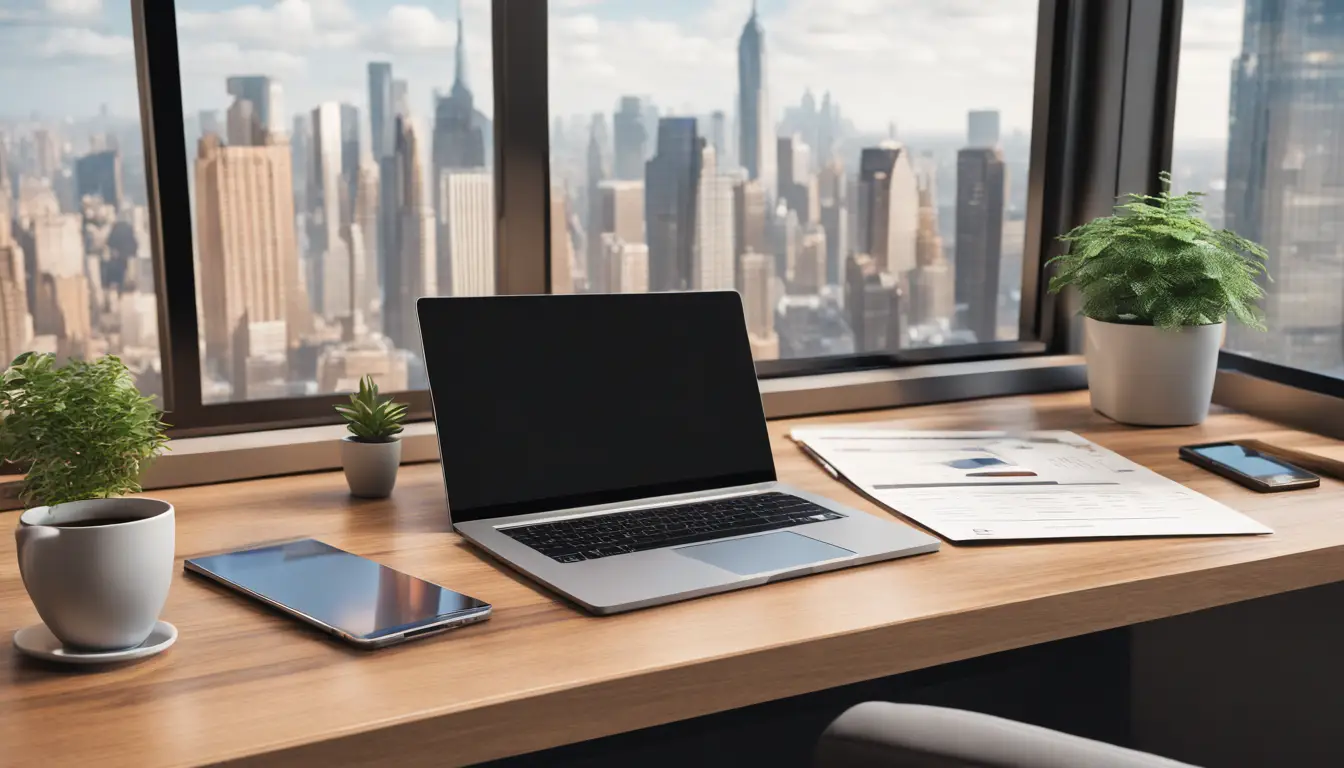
{"x": 1210, "y": 40}
{"x": 75, "y": 8}
{"x": 413, "y": 28}
{"x": 73, "y": 42}
{"x": 286, "y": 25}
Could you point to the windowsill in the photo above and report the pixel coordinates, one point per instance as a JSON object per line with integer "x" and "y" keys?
{"x": 250, "y": 455}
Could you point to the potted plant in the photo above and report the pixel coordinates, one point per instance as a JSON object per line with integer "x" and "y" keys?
{"x": 371, "y": 453}
{"x": 1157, "y": 285}
{"x": 82, "y": 429}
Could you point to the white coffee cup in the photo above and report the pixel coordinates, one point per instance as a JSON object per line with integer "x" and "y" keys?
{"x": 98, "y": 571}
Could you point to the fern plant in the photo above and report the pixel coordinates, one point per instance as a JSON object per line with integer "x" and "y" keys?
{"x": 372, "y": 419}
{"x": 83, "y": 429}
{"x": 1156, "y": 262}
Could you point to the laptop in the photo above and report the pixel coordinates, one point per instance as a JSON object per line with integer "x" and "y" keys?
{"x": 613, "y": 447}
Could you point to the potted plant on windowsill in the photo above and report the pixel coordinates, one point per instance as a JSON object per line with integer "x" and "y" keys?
{"x": 371, "y": 453}
{"x": 1157, "y": 285}
{"x": 82, "y": 429}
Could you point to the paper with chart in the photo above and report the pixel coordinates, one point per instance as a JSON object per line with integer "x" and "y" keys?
{"x": 984, "y": 486}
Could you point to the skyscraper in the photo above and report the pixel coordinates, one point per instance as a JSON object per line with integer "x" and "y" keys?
{"x": 749, "y": 221}
{"x": 712, "y": 265}
{"x": 931, "y": 288}
{"x": 265, "y": 95}
{"x": 627, "y": 265}
{"x": 619, "y": 210}
{"x": 597, "y": 172}
{"x": 458, "y": 141}
{"x": 832, "y": 195}
{"x": 16, "y": 325}
{"x": 672, "y": 181}
{"x": 1285, "y": 176}
{"x": 758, "y": 277}
{"x": 980, "y": 192}
{"x": 328, "y": 253}
{"x": 982, "y": 128}
{"x": 99, "y": 174}
{"x": 467, "y": 233}
{"x": 382, "y": 115}
{"x": 562, "y": 249}
{"x": 809, "y": 273}
{"x": 873, "y": 301}
{"x": 367, "y": 198}
{"x": 245, "y": 241}
{"x": 630, "y": 139}
{"x": 350, "y": 158}
{"x": 756, "y": 130}
{"x": 409, "y": 269}
{"x": 718, "y": 138}
{"x": 797, "y": 184}
{"x": 888, "y": 207}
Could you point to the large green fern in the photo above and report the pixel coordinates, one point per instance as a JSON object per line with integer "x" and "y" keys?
{"x": 1156, "y": 262}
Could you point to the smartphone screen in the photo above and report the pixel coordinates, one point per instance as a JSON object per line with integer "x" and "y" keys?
{"x": 1252, "y": 463}
{"x": 339, "y": 589}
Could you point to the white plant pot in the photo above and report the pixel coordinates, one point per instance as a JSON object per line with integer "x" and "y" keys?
{"x": 1143, "y": 375}
{"x": 370, "y": 468}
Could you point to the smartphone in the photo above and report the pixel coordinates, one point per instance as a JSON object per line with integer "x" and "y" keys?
{"x": 357, "y": 600}
{"x": 1253, "y": 469}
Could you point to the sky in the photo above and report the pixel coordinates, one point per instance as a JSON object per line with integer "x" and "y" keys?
{"x": 920, "y": 64}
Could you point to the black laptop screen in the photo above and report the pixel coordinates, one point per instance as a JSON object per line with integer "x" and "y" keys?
{"x": 551, "y": 402}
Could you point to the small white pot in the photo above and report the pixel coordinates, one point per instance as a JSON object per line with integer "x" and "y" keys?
{"x": 1139, "y": 374}
{"x": 370, "y": 468}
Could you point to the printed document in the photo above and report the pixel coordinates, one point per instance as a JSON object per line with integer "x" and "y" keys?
{"x": 984, "y": 486}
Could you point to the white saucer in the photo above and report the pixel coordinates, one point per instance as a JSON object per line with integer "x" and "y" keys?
{"x": 38, "y": 642}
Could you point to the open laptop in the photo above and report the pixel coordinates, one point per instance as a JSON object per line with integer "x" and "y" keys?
{"x": 613, "y": 447}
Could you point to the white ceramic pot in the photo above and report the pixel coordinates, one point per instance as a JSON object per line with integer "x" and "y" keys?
{"x": 98, "y": 571}
{"x": 1143, "y": 375}
{"x": 370, "y": 468}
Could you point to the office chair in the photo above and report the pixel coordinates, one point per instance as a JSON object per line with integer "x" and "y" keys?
{"x": 879, "y": 734}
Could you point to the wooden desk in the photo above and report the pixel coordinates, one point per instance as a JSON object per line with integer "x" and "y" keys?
{"x": 242, "y": 683}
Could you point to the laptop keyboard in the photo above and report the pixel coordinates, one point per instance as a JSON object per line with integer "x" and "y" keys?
{"x": 620, "y": 533}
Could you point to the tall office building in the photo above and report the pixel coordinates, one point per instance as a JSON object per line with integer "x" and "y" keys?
{"x": 597, "y": 173}
{"x": 267, "y": 114}
{"x": 619, "y": 211}
{"x": 756, "y": 128}
{"x": 749, "y": 222}
{"x": 16, "y": 325}
{"x": 872, "y": 300}
{"x": 982, "y": 128}
{"x": 1285, "y": 176}
{"x": 382, "y": 115}
{"x": 350, "y": 159}
{"x": 458, "y": 141}
{"x": 981, "y": 183}
{"x": 367, "y": 295}
{"x": 98, "y": 174}
{"x": 409, "y": 269}
{"x": 46, "y": 153}
{"x": 784, "y": 232}
{"x": 672, "y": 181}
{"x": 712, "y": 268}
{"x": 242, "y": 129}
{"x": 809, "y": 273}
{"x": 888, "y": 207}
{"x": 931, "y": 288}
{"x": 561, "y": 266}
{"x": 627, "y": 265}
{"x": 58, "y": 244}
{"x": 245, "y": 239}
{"x": 797, "y": 184}
{"x": 630, "y": 139}
{"x": 300, "y": 157}
{"x": 833, "y": 211}
{"x": 63, "y": 311}
{"x": 718, "y": 138}
{"x": 758, "y": 279}
{"x": 328, "y": 253}
{"x": 466, "y": 233}
{"x": 401, "y": 99}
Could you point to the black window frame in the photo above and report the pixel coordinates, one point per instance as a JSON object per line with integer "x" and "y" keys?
{"x": 1083, "y": 51}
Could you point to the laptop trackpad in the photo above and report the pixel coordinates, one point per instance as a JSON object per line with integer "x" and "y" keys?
{"x": 767, "y": 552}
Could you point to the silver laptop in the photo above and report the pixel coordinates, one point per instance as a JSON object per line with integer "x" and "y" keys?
{"x": 613, "y": 447}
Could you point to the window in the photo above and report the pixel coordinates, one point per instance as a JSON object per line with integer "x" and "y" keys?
{"x": 76, "y": 275}
{"x": 1260, "y": 125}
{"x": 857, "y": 171}
{"x": 340, "y": 162}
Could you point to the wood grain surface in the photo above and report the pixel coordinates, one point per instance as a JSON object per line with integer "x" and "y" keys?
{"x": 246, "y": 685}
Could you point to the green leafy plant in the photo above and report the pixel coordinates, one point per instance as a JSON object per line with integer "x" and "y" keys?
{"x": 372, "y": 419}
{"x": 1156, "y": 262}
{"x": 83, "y": 429}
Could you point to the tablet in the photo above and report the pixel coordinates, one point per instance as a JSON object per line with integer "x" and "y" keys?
{"x": 353, "y": 598}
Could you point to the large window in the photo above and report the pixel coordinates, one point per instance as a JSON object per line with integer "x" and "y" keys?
{"x": 340, "y": 166}
{"x": 76, "y": 275}
{"x": 857, "y": 171}
{"x": 1260, "y": 125}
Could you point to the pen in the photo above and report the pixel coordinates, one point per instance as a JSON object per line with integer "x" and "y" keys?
{"x": 829, "y": 469}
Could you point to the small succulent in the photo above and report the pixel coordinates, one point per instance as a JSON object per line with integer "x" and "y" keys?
{"x": 372, "y": 419}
